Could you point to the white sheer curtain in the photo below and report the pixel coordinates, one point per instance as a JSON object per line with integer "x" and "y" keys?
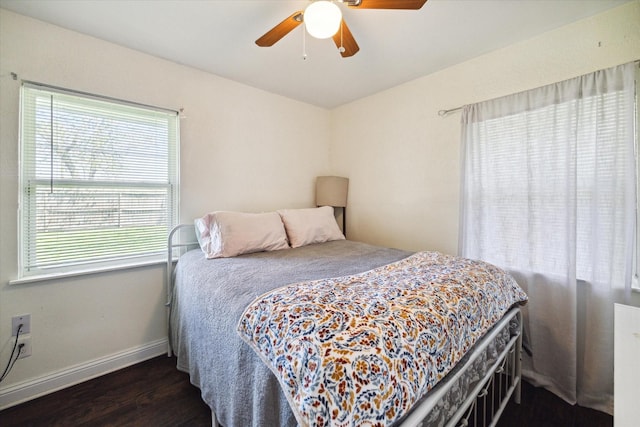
{"x": 549, "y": 194}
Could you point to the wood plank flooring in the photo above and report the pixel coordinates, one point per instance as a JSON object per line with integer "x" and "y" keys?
{"x": 152, "y": 393}
{"x": 155, "y": 393}
{"x": 541, "y": 408}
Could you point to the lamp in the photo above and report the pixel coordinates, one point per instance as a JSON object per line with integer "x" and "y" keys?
{"x": 332, "y": 191}
{"x": 322, "y": 19}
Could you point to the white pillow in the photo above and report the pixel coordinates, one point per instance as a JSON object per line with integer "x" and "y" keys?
{"x": 314, "y": 225}
{"x": 227, "y": 234}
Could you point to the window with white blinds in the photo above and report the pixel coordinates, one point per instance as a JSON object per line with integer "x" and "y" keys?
{"x": 99, "y": 181}
{"x": 547, "y": 178}
{"x": 529, "y": 184}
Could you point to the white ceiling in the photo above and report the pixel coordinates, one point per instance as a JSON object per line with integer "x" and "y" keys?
{"x": 395, "y": 45}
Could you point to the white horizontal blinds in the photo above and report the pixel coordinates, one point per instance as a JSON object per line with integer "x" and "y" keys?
{"x": 601, "y": 211}
{"x": 516, "y": 164}
{"x": 99, "y": 179}
{"x": 523, "y": 175}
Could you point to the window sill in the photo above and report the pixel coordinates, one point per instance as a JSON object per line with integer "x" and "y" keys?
{"x": 89, "y": 271}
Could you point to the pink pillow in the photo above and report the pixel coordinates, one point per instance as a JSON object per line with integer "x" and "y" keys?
{"x": 226, "y": 234}
{"x": 313, "y": 225}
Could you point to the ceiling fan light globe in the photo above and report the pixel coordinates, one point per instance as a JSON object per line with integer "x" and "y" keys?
{"x": 322, "y": 19}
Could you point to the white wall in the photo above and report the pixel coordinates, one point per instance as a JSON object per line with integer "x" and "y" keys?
{"x": 241, "y": 148}
{"x": 403, "y": 160}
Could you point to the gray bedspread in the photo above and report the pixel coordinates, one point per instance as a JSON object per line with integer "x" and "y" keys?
{"x": 209, "y": 297}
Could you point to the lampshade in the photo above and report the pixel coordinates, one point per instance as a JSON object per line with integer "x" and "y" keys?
{"x": 332, "y": 191}
{"x": 322, "y": 19}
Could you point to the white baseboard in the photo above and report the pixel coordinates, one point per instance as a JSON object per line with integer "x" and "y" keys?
{"x": 28, "y": 390}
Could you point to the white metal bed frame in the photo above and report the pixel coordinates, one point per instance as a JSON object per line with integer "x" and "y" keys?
{"x": 186, "y": 241}
{"x": 484, "y": 403}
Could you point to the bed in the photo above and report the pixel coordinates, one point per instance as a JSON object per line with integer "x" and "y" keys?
{"x": 217, "y": 305}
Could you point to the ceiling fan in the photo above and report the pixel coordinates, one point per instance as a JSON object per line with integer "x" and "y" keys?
{"x": 323, "y": 19}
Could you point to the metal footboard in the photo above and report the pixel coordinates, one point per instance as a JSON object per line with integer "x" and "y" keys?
{"x": 486, "y": 401}
{"x": 501, "y": 382}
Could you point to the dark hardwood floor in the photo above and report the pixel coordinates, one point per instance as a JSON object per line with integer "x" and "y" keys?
{"x": 152, "y": 393}
{"x": 541, "y": 408}
{"x": 155, "y": 393}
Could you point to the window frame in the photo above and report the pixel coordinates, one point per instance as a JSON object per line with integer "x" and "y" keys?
{"x": 635, "y": 281}
{"x": 28, "y": 179}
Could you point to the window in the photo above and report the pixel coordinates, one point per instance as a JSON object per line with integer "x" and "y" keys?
{"x": 99, "y": 181}
{"x": 529, "y": 185}
{"x": 547, "y": 179}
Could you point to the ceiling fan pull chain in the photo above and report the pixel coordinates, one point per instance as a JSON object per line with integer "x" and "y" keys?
{"x": 304, "y": 42}
{"x": 341, "y": 49}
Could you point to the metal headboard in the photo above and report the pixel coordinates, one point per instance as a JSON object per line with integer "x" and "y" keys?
{"x": 181, "y": 238}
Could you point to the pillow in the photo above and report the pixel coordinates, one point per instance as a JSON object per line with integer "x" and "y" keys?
{"x": 314, "y": 225}
{"x": 227, "y": 234}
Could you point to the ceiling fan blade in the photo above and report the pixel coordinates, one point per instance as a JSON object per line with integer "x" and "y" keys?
{"x": 280, "y": 30}
{"x": 344, "y": 39}
{"x": 386, "y": 4}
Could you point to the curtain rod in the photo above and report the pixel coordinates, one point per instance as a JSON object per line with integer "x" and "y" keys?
{"x": 443, "y": 113}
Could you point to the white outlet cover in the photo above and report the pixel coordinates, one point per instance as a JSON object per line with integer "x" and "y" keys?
{"x": 26, "y": 349}
{"x": 25, "y": 320}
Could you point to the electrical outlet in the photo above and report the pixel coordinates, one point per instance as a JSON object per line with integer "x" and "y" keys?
{"x": 26, "y": 347}
{"x": 24, "y": 320}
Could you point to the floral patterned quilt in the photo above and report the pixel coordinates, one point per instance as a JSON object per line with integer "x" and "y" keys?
{"x": 363, "y": 349}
